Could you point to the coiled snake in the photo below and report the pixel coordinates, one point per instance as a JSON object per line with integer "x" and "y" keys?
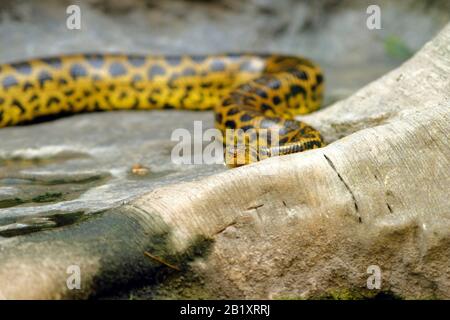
{"x": 246, "y": 91}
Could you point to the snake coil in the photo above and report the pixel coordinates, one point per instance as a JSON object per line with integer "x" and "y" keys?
{"x": 246, "y": 91}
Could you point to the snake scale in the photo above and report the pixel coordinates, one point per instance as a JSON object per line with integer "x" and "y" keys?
{"x": 246, "y": 91}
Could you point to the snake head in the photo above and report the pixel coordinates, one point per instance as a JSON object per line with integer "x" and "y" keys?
{"x": 239, "y": 155}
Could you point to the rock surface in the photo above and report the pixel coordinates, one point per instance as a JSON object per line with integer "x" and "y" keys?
{"x": 72, "y": 176}
{"x": 81, "y": 165}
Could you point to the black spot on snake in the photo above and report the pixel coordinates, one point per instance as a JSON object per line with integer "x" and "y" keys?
{"x": 261, "y": 93}
{"x": 227, "y": 102}
{"x": 53, "y": 100}
{"x": 319, "y": 78}
{"x": 283, "y": 131}
{"x": 217, "y": 65}
{"x": 22, "y": 67}
{"x": 69, "y": 92}
{"x": 43, "y": 77}
{"x": 117, "y": 69}
{"x": 154, "y": 71}
{"x": 249, "y": 100}
{"x": 188, "y": 72}
{"x": 245, "y": 128}
{"x": 233, "y": 111}
{"x": 9, "y": 81}
{"x": 283, "y": 140}
{"x": 33, "y": 98}
{"x": 296, "y": 89}
{"x": 275, "y": 84}
{"x": 77, "y": 71}
{"x": 168, "y": 106}
{"x": 123, "y": 95}
{"x": 198, "y": 58}
{"x": 233, "y": 55}
{"x": 300, "y": 74}
{"x": 95, "y": 60}
{"x": 96, "y": 105}
{"x": 265, "y": 107}
{"x": 136, "y": 61}
{"x": 246, "y": 117}
{"x": 276, "y": 100}
{"x": 135, "y": 103}
{"x": 173, "y": 60}
{"x": 152, "y": 101}
{"x": 27, "y": 86}
{"x": 219, "y": 117}
{"x": 54, "y": 62}
{"x": 230, "y": 124}
{"x": 19, "y": 105}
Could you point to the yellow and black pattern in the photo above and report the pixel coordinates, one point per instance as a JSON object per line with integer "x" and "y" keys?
{"x": 246, "y": 91}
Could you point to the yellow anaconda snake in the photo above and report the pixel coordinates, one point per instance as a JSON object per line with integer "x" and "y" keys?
{"x": 246, "y": 91}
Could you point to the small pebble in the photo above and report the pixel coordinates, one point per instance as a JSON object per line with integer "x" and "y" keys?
{"x": 140, "y": 170}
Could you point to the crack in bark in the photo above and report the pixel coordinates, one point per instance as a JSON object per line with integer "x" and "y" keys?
{"x": 224, "y": 228}
{"x": 255, "y": 207}
{"x": 345, "y": 184}
{"x": 389, "y": 208}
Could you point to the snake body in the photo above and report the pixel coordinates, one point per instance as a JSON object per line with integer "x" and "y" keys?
{"x": 246, "y": 91}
